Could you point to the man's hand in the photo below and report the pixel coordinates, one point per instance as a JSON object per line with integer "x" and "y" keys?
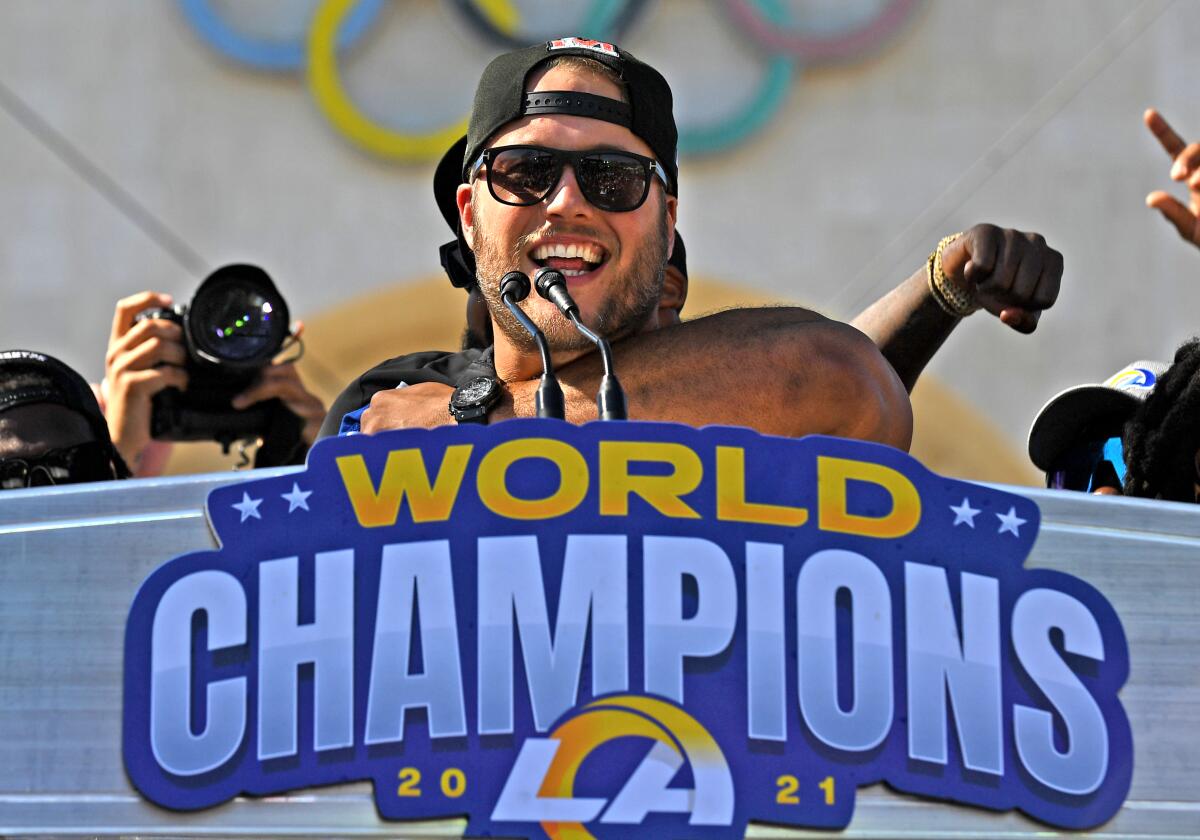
{"x": 1185, "y": 166}
{"x": 142, "y": 359}
{"x": 283, "y": 381}
{"x": 425, "y": 405}
{"x": 1016, "y": 275}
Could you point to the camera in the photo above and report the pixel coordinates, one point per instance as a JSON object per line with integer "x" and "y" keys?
{"x": 236, "y": 323}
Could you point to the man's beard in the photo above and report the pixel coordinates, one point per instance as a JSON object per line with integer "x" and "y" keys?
{"x": 632, "y": 296}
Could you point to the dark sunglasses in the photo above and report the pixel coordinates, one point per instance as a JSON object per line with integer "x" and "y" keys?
{"x": 92, "y": 461}
{"x": 614, "y": 181}
{"x": 1088, "y": 465}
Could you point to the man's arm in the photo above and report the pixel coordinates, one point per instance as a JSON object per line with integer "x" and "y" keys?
{"x": 1012, "y": 275}
{"x": 781, "y": 371}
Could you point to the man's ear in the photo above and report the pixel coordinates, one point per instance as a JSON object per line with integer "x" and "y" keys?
{"x": 675, "y": 285}
{"x": 674, "y": 295}
{"x": 672, "y": 207}
{"x": 466, "y": 214}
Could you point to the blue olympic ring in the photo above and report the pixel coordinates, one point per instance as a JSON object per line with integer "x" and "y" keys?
{"x": 265, "y": 54}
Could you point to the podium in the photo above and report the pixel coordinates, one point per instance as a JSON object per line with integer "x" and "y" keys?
{"x": 74, "y": 733}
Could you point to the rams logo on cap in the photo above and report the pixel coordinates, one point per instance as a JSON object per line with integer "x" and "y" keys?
{"x": 1133, "y": 378}
{"x": 584, "y": 44}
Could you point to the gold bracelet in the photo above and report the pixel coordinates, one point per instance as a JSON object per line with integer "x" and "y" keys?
{"x": 955, "y": 299}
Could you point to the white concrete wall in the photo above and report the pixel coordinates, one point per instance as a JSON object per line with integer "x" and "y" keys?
{"x": 1020, "y": 112}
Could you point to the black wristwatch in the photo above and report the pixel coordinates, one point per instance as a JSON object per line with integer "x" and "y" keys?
{"x": 473, "y": 399}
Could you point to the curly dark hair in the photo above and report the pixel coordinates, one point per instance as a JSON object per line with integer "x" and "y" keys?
{"x": 1162, "y": 438}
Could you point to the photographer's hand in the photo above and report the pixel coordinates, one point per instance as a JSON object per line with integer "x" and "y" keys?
{"x": 282, "y": 380}
{"x": 142, "y": 359}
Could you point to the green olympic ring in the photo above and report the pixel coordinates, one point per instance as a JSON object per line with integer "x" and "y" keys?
{"x": 762, "y": 108}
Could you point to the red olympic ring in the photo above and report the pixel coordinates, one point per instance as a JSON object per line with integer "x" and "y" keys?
{"x": 750, "y": 18}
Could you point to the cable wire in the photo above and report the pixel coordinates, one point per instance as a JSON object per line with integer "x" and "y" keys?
{"x": 104, "y": 184}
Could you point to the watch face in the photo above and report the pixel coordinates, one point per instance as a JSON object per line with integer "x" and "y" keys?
{"x": 474, "y": 392}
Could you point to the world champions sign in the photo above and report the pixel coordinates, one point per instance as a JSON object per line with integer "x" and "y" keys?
{"x": 624, "y": 629}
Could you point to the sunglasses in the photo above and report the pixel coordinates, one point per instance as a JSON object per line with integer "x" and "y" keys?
{"x": 92, "y": 461}
{"x": 614, "y": 181}
{"x": 1088, "y": 465}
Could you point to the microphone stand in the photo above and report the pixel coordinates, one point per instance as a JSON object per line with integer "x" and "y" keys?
{"x": 610, "y": 399}
{"x": 514, "y": 288}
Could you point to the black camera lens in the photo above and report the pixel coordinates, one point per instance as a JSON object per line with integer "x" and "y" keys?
{"x": 237, "y": 317}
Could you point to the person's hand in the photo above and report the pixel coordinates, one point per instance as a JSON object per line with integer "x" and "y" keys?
{"x": 1185, "y": 166}
{"x": 1016, "y": 275}
{"x": 281, "y": 380}
{"x": 142, "y": 359}
{"x": 425, "y": 405}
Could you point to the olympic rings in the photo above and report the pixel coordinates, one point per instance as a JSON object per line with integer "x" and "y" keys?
{"x": 338, "y": 24}
{"x": 749, "y": 15}
{"x": 265, "y": 54}
{"x": 499, "y": 21}
{"x": 332, "y": 99}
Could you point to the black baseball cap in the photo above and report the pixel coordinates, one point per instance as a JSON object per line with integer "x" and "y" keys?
{"x": 1100, "y": 409}
{"x": 501, "y": 98}
{"x": 47, "y": 380}
{"x": 33, "y": 378}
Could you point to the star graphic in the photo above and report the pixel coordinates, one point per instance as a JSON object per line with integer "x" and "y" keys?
{"x": 964, "y": 513}
{"x": 297, "y": 498}
{"x": 248, "y": 507}
{"x": 1010, "y": 522}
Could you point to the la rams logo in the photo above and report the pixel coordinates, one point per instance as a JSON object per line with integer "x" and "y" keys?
{"x": 1133, "y": 378}
{"x": 541, "y": 786}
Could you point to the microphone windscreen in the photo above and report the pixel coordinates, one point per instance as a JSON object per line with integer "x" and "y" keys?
{"x": 514, "y": 285}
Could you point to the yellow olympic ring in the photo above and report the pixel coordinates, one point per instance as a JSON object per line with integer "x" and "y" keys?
{"x": 503, "y": 15}
{"x": 335, "y": 103}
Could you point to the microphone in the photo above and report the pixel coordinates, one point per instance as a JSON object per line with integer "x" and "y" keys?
{"x": 610, "y": 399}
{"x": 514, "y": 288}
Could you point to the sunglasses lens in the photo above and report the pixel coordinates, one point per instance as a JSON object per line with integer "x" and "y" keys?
{"x": 87, "y": 462}
{"x": 613, "y": 181}
{"x": 1088, "y": 465}
{"x": 1114, "y": 453}
{"x": 523, "y": 176}
{"x": 73, "y": 465}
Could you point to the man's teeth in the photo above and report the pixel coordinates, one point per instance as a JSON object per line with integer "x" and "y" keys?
{"x": 571, "y": 272}
{"x": 583, "y": 251}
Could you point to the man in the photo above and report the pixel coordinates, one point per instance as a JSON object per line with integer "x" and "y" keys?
{"x": 550, "y": 177}
{"x": 51, "y": 429}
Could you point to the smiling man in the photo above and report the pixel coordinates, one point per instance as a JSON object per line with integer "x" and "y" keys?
{"x": 570, "y": 162}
